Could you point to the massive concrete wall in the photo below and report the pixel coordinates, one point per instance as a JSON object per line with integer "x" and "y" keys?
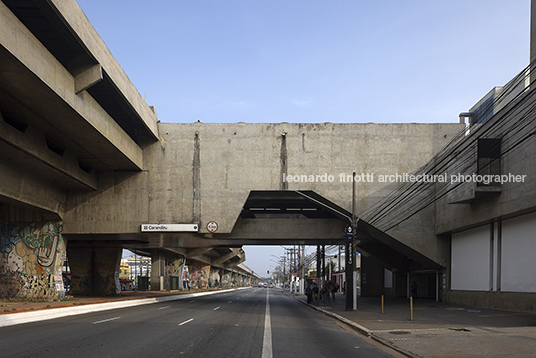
{"x": 204, "y": 172}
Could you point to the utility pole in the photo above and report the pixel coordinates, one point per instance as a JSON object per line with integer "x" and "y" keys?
{"x": 318, "y": 265}
{"x": 350, "y": 303}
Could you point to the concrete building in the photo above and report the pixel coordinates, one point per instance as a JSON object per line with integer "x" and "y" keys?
{"x": 87, "y": 170}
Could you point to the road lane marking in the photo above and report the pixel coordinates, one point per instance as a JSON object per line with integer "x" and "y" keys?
{"x": 230, "y": 302}
{"x": 190, "y": 320}
{"x": 217, "y": 308}
{"x": 106, "y": 320}
{"x": 163, "y": 308}
{"x": 267, "y": 341}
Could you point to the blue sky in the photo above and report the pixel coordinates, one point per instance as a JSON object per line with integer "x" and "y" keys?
{"x": 384, "y": 61}
{"x": 314, "y": 61}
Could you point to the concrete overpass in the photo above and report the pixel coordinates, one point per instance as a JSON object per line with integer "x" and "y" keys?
{"x": 85, "y": 163}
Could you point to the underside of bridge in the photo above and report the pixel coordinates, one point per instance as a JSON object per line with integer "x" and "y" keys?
{"x": 276, "y": 218}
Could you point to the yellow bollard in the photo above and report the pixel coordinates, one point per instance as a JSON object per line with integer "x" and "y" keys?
{"x": 382, "y": 304}
{"x": 411, "y": 308}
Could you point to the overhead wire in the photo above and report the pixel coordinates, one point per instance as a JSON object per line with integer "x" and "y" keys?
{"x": 459, "y": 155}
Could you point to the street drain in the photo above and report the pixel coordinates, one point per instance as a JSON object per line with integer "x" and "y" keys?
{"x": 400, "y": 332}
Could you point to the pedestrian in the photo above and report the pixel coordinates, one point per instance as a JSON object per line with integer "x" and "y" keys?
{"x": 414, "y": 290}
{"x": 325, "y": 295}
{"x": 334, "y": 291}
{"x": 189, "y": 284}
{"x": 309, "y": 293}
{"x": 315, "y": 294}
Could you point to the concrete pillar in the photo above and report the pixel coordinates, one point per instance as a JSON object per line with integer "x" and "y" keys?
{"x": 31, "y": 260}
{"x": 214, "y": 278}
{"x": 372, "y": 275}
{"x": 157, "y": 270}
{"x": 94, "y": 270}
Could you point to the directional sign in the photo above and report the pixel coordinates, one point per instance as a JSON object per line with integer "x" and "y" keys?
{"x": 169, "y": 227}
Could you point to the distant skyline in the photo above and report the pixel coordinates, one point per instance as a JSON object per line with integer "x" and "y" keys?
{"x": 314, "y": 61}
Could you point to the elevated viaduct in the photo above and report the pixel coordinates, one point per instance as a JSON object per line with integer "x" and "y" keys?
{"x": 85, "y": 164}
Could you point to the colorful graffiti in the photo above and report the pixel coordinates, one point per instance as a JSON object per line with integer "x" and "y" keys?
{"x": 173, "y": 265}
{"x": 31, "y": 254}
{"x": 199, "y": 276}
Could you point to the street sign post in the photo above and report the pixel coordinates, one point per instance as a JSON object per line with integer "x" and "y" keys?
{"x": 349, "y": 269}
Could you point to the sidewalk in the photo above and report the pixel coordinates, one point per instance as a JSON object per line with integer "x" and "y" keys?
{"x": 439, "y": 330}
{"x": 10, "y": 307}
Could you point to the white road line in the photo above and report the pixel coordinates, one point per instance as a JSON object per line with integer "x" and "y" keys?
{"x": 106, "y": 320}
{"x": 190, "y": 320}
{"x": 267, "y": 341}
{"x": 163, "y": 308}
{"x": 230, "y": 302}
{"x": 217, "y": 308}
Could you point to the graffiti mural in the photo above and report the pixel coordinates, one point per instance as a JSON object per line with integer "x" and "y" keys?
{"x": 30, "y": 255}
{"x": 173, "y": 271}
{"x": 226, "y": 279}
{"x": 199, "y": 276}
{"x": 173, "y": 265}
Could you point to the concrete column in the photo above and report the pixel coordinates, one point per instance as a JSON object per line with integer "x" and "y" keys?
{"x": 372, "y": 276}
{"x": 31, "y": 260}
{"x": 94, "y": 270}
{"x": 157, "y": 270}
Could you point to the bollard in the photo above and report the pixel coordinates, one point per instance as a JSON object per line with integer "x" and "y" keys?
{"x": 382, "y": 304}
{"x": 411, "y": 308}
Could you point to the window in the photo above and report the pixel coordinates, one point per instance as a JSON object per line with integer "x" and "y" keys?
{"x": 489, "y": 160}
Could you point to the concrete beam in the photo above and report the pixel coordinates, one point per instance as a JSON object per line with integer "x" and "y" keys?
{"x": 234, "y": 252}
{"x": 297, "y": 229}
{"x": 197, "y": 252}
{"x": 21, "y": 189}
{"x": 73, "y": 15}
{"x": 28, "y": 151}
{"x": 34, "y": 77}
{"x": 87, "y": 78}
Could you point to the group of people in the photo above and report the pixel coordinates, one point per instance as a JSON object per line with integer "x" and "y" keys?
{"x": 315, "y": 294}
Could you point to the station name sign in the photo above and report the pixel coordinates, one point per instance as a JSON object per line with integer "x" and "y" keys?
{"x": 169, "y": 227}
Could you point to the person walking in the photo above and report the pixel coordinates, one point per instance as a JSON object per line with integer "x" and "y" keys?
{"x": 315, "y": 294}
{"x": 325, "y": 295}
{"x": 334, "y": 291}
{"x": 309, "y": 293}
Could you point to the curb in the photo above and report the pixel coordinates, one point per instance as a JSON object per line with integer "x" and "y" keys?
{"x": 42, "y": 315}
{"x": 361, "y": 329}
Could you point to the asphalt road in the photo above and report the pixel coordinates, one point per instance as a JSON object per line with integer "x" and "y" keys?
{"x": 256, "y": 322}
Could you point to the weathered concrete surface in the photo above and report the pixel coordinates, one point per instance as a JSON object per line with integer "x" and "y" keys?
{"x": 33, "y": 76}
{"x": 77, "y": 20}
{"x": 204, "y": 172}
{"x": 513, "y": 198}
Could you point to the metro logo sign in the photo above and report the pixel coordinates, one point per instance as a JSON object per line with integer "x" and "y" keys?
{"x": 169, "y": 227}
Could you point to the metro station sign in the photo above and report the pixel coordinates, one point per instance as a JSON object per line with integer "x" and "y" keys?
{"x": 169, "y": 227}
